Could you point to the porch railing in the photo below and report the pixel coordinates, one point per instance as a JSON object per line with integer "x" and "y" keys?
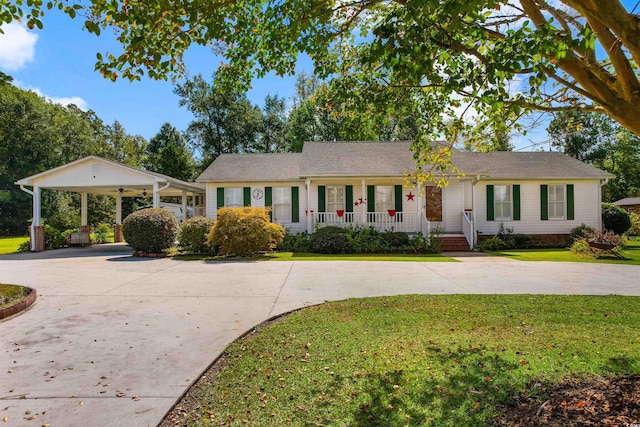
{"x": 467, "y": 227}
{"x": 408, "y": 222}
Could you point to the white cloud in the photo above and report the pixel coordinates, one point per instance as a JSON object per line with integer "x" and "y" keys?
{"x": 17, "y": 46}
{"x": 62, "y": 100}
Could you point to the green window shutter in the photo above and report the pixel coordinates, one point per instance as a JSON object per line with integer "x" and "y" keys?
{"x": 348, "y": 191}
{"x": 220, "y": 198}
{"x": 295, "y": 204}
{"x": 570, "y": 202}
{"x": 371, "y": 198}
{"x": 516, "y": 202}
{"x": 490, "y": 207}
{"x": 247, "y": 196}
{"x": 398, "y": 197}
{"x": 544, "y": 202}
{"x": 322, "y": 195}
{"x": 268, "y": 195}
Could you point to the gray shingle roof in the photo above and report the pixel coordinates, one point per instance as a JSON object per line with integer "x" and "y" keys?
{"x": 358, "y": 159}
{"x": 253, "y": 168}
{"x": 533, "y": 165}
{"x": 628, "y": 201}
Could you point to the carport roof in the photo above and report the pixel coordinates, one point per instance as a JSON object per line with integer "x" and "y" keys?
{"x": 97, "y": 175}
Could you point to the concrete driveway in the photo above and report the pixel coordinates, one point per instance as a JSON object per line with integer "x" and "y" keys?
{"x": 114, "y": 340}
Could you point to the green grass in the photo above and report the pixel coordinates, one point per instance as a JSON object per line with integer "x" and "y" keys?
{"x": 631, "y": 254}
{"x": 416, "y": 360}
{"x": 11, "y": 294}
{"x": 10, "y": 245}
{"x": 303, "y": 256}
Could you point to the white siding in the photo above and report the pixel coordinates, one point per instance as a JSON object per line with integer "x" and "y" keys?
{"x": 586, "y": 208}
{"x": 295, "y": 227}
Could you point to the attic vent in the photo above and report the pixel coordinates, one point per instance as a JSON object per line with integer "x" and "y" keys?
{"x": 95, "y": 168}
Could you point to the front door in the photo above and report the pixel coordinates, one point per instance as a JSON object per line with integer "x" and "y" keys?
{"x": 434, "y": 203}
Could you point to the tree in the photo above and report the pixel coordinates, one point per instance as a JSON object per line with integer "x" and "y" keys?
{"x": 505, "y": 57}
{"x": 224, "y": 120}
{"x": 168, "y": 154}
{"x": 273, "y": 131}
{"x": 597, "y": 139}
{"x": 124, "y": 148}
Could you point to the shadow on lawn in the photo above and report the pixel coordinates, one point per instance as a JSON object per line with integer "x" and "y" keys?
{"x": 465, "y": 394}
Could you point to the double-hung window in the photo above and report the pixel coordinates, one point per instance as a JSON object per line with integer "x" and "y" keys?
{"x": 233, "y": 197}
{"x": 384, "y": 198}
{"x": 335, "y": 198}
{"x": 281, "y": 204}
{"x": 556, "y": 201}
{"x": 502, "y": 202}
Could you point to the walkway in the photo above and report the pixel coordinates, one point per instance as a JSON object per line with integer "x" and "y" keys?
{"x": 115, "y": 340}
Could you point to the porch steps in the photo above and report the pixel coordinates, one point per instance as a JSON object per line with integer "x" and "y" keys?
{"x": 455, "y": 243}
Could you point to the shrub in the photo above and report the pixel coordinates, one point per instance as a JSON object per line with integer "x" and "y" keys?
{"x": 331, "y": 229}
{"x": 581, "y": 232}
{"x": 634, "y": 230}
{"x": 366, "y": 240}
{"x": 330, "y": 243}
{"x": 494, "y": 243}
{"x": 101, "y": 233}
{"x": 615, "y": 218}
{"x": 193, "y": 235}
{"x": 244, "y": 231}
{"x": 395, "y": 239}
{"x": 53, "y": 238}
{"x": 150, "y": 230}
{"x": 294, "y": 243}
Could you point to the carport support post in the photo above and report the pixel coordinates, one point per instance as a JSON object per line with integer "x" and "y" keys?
{"x": 184, "y": 206}
{"x": 84, "y": 227}
{"x": 117, "y": 230}
{"x": 37, "y": 231}
{"x": 156, "y": 196}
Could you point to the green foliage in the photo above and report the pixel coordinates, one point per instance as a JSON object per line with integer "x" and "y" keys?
{"x": 24, "y": 246}
{"x": 193, "y": 235}
{"x": 150, "y": 230}
{"x": 294, "y": 243}
{"x": 598, "y": 140}
{"x": 614, "y": 242}
{"x": 53, "y": 238}
{"x": 615, "y": 218}
{"x": 101, "y": 233}
{"x": 330, "y": 243}
{"x": 167, "y": 153}
{"x": 635, "y": 225}
{"x": 396, "y": 240}
{"x": 581, "y": 231}
{"x": 363, "y": 240}
{"x": 244, "y": 231}
{"x": 506, "y": 239}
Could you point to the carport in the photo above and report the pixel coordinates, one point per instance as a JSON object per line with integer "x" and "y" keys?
{"x": 96, "y": 175}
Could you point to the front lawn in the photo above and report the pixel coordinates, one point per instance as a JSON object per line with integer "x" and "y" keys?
{"x": 414, "y": 360}
{"x": 631, "y": 254}
{"x": 10, "y": 245}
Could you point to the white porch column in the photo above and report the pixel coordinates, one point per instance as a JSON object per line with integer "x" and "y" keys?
{"x": 194, "y": 200}
{"x": 119, "y": 209}
{"x": 308, "y": 210}
{"x": 36, "y": 206}
{"x": 83, "y": 209}
{"x": 473, "y": 210}
{"x": 156, "y": 196}
{"x": 421, "y": 202}
{"x": 184, "y": 206}
{"x": 365, "y": 204}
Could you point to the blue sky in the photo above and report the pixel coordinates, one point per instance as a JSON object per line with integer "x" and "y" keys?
{"x": 58, "y": 62}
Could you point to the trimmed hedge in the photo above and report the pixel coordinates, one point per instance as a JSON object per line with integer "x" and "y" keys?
{"x": 244, "y": 231}
{"x": 615, "y": 218}
{"x": 193, "y": 235}
{"x": 150, "y": 230}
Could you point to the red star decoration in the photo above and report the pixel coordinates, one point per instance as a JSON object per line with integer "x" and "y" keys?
{"x": 410, "y": 196}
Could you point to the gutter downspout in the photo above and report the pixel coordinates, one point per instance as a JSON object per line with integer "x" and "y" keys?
{"x": 602, "y": 184}
{"x": 32, "y": 241}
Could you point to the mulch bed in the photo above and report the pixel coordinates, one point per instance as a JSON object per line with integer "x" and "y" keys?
{"x": 597, "y": 401}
